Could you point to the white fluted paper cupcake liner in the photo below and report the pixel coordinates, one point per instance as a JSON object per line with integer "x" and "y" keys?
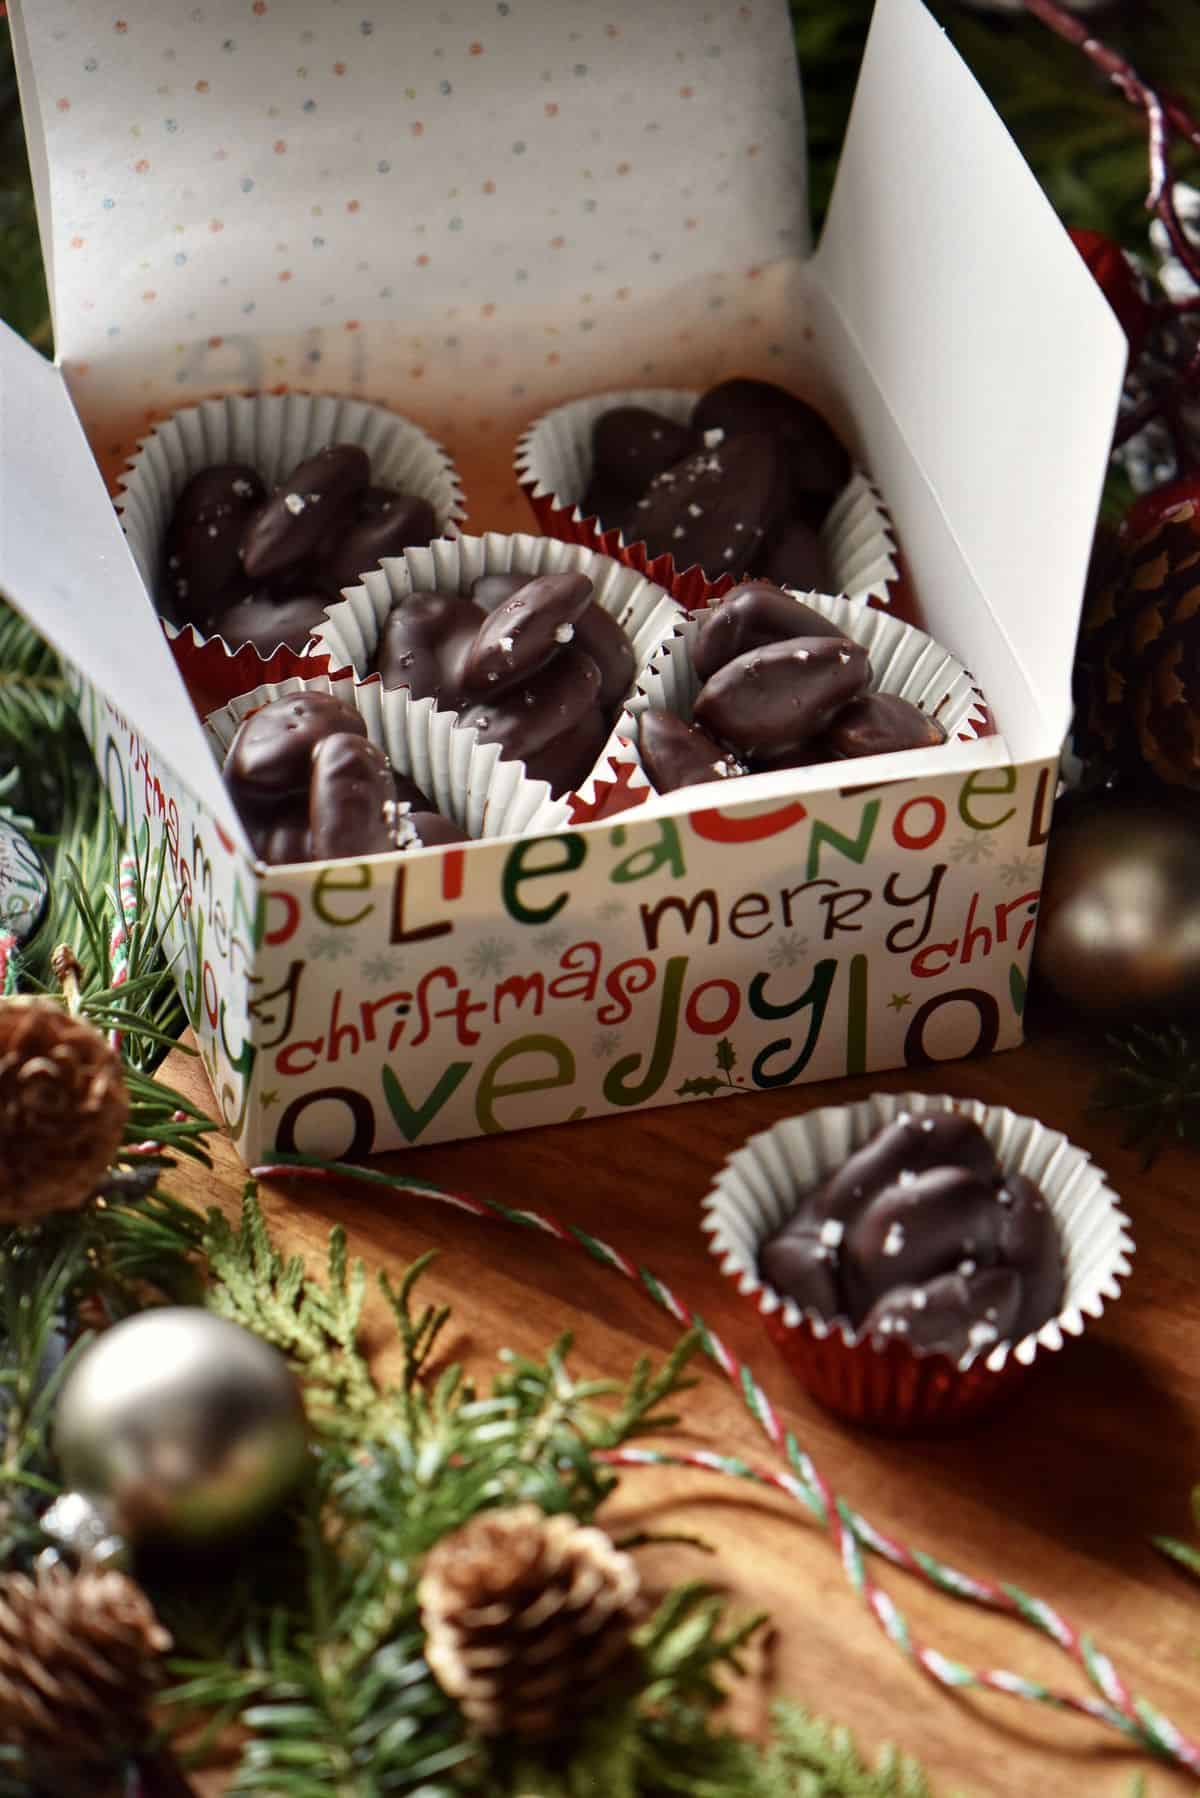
{"x": 904, "y": 661}
{"x": 272, "y": 433}
{"x": 554, "y": 466}
{"x": 760, "y": 1186}
{"x": 646, "y": 613}
{"x": 463, "y": 778}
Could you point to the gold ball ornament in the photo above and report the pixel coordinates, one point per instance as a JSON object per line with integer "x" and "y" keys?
{"x": 183, "y": 1426}
{"x": 63, "y": 1106}
{"x": 1119, "y": 918}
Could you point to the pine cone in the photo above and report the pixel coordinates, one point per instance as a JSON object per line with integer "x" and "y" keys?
{"x": 528, "y": 1619}
{"x": 63, "y": 1106}
{"x": 1138, "y": 665}
{"x": 79, "y": 1664}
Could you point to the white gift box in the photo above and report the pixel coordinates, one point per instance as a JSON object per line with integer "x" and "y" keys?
{"x": 472, "y": 215}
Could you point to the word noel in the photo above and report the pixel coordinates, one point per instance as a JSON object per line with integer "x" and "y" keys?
{"x": 923, "y": 923}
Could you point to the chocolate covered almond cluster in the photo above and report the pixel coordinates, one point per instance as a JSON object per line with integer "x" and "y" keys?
{"x": 532, "y": 662}
{"x": 921, "y": 1237}
{"x": 742, "y": 488}
{"x": 781, "y": 688}
{"x": 309, "y": 786}
{"x": 260, "y": 568}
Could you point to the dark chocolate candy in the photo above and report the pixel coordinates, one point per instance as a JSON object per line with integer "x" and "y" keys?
{"x": 525, "y": 632}
{"x": 351, "y": 798}
{"x": 795, "y": 557}
{"x": 750, "y": 616}
{"x": 953, "y": 1314}
{"x": 611, "y": 507}
{"x": 879, "y": 724}
{"x": 675, "y": 754}
{"x": 802, "y": 1262}
{"x": 424, "y": 645}
{"x": 909, "y": 1144}
{"x": 271, "y": 755}
{"x": 201, "y": 554}
{"x": 780, "y": 696}
{"x": 523, "y": 719}
{"x": 283, "y": 837}
{"x": 1028, "y": 1241}
{"x": 631, "y": 444}
{"x": 314, "y": 501}
{"x": 384, "y": 523}
{"x": 420, "y": 829}
{"x": 492, "y": 589}
{"x": 599, "y": 635}
{"x": 716, "y": 508}
{"x": 567, "y": 759}
{"x": 818, "y": 462}
{"x": 924, "y": 1242}
{"x": 923, "y": 1224}
{"x": 267, "y": 623}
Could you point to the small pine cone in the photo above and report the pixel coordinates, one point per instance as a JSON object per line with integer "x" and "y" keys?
{"x": 63, "y": 1106}
{"x": 528, "y": 1619}
{"x": 80, "y": 1660}
{"x": 1138, "y": 664}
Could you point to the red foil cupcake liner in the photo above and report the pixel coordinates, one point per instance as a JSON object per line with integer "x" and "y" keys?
{"x": 884, "y": 1385}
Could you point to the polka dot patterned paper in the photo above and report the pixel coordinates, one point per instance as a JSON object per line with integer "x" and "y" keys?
{"x": 238, "y": 189}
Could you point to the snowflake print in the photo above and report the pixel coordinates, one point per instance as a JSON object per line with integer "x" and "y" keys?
{"x": 605, "y": 1044}
{"x": 491, "y": 955}
{"x": 380, "y": 970}
{"x": 787, "y": 950}
{"x": 331, "y": 946}
{"x": 976, "y": 848}
{"x": 552, "y": 942}
{"x": 1023, "y": 871}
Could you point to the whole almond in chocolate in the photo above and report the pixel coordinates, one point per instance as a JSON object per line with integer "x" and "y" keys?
{"x": 879, "y": 724}
{"x": 567, "y": 759}
{"x": 1028, "y": 1242}
{"x": 909, "y": 1144}
{"x": 270, "y": 623}
{"x": 675, "y": 754}
{"x": 490, "y": 589}
{"x": 922, "y": 1224}
{"x": 817, "y": 460}
{"x": 283, "y": 837}
{"x": 201, "y": 554}
{"x": 525, "y": 631}
{"x": 748, "y": 617}
{"x": 802, "y": 1262}
{"x": 716, "y": 508}
{"x": 384, "y": 523}
{"x": 350, "y": 799}
{"x": 424, "y": 645}
{"x": 525, "y": 718}
{"x": 795, "y": 557}
{"x": 953, "y": 1314}
{"x": 776, "y": 698}
{"x": 599, "y": 635}
{"x": 313, "y": 501}
{"x": 271, "y": 755}
{"x": 632, "y": 444}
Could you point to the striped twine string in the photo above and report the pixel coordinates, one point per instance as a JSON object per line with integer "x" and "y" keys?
{"x": 850, "y": 1532}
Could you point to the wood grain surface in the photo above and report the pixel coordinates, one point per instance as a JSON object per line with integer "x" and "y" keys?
{"x": 1059, "y": 1492}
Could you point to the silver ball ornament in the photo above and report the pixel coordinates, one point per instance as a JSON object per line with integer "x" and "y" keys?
{"x": 1119, "y": 918}
{"x": 185, "y": 1427}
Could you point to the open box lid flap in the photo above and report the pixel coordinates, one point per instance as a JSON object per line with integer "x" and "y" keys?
{"x": 998, "y": 356}
{"x": 273, "y": 170}
{"x": 65, "y": 564}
